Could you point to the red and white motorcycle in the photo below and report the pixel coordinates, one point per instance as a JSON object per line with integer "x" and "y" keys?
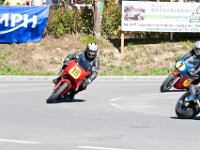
{"x": 71, "y": 78}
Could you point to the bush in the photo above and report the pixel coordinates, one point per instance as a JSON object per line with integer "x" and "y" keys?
{"x": 66, "y": 21}
{"x": 59, "y": 21}
{"x": 111, "y": 19}
{"x": 1, "y": 2}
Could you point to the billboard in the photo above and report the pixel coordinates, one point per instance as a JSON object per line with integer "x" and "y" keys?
{"x": 160, "y": 16}
{"x": 20, "y": 24}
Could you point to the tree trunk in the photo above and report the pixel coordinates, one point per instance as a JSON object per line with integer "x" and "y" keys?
{"x": 97, "y": 18}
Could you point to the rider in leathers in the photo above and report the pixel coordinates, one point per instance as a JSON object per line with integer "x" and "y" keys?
{"x": 194, "y": 56}
{"x": 90, "y": 54}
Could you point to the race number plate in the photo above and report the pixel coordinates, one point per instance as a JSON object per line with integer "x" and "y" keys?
{"x": 187, "y": 82}
{"x": 180, "y": 65}
{"x": 75, "y": 72}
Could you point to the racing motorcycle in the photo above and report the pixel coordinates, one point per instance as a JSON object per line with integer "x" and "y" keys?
{"x": 187, "y": 107}
{"x": 180, "y": 77}
{"x": 71, "y": 78}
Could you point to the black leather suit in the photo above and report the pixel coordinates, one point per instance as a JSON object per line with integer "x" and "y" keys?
{"x": 196, "y": 61}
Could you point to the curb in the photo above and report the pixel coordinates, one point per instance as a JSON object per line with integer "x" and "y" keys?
{"x": 49, "y": 78}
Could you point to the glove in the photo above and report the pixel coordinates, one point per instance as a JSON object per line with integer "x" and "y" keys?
{"x": 193, "y": 72}
{"x": 66, "y": 62}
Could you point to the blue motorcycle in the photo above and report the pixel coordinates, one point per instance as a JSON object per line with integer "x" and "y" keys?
{"x": 180, "y": 77}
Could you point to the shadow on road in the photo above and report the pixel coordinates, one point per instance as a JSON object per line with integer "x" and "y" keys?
{"x": 194, "y": 118}
{"x": 174, "y": 91}
{"x": 73, "y": 100}
{"x": 67, "y": 101}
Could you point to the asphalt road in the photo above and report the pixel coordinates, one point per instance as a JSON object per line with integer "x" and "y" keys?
{"x": 109, "y": 115}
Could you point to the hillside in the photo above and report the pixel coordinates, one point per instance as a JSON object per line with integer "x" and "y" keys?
{"x": 46, "y": 57}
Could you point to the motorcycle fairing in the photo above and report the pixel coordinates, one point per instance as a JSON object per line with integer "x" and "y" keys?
{"x": 73, "y": 74}
{"x": 183, "y": 82}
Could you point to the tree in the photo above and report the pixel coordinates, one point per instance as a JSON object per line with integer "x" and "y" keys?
{"x": 98, "y": 8}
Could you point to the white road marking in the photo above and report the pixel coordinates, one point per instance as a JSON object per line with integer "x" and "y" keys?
{"x": 139, "y": 106}
{"x": 102, "y": 148}
{"x": 18, "y": 141}
{"x": 116, "y": 106}
{"x": 154, "y": 94}
{"x": 116, "y": 99}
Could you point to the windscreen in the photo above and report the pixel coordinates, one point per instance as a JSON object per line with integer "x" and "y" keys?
{"x": 85, "y": 64}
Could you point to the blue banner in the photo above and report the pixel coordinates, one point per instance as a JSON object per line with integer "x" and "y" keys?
{"x": 20, "y": 24}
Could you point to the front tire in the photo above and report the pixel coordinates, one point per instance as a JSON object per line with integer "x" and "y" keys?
{"x": 186, "y": 109}
{"x": 168, "y": 83}
{"x": 53, "y": 98}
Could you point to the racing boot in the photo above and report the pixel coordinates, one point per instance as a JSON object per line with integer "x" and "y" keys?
{"x": 56, "y": 80}
{"x": 193, "y": 94}
{"x": 72, "y": 94}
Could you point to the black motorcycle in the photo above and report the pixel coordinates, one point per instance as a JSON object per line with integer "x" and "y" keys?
{"x": 187, "y": 107}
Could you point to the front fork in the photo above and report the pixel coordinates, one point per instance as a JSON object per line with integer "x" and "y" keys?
{"x": 198, "y": 104}
{"x": 178, "y": 77}
{"x": 66, "y": 91}
{"x": 176, "y": 80}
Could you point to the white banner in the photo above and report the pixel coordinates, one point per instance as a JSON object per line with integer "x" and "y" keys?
{"x": 160, "y": 16}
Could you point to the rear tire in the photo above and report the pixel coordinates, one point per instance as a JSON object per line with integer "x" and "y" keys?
{"x": 53, "y": 98}
{"x": 184, "y": 109}
{"x": 168, "y": 83}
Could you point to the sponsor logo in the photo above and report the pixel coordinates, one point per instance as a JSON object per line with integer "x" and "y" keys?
{"x": 16, "y": 21}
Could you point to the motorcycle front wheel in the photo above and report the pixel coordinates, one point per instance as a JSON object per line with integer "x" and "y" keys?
{"x": 168, "y": 83}
{"x": 186, "y": 109}
{"x": 53, "y": 98}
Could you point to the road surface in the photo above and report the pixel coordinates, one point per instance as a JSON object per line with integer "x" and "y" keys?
{"x": 109, "y": 115}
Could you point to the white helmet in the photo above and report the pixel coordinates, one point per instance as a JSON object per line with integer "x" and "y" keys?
{"x": 197, "y": 48}
{"x": 91, "y": 51}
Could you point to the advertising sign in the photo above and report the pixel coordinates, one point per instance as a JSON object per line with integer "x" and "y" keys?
{"x": 20, "y": 24}
{"x": 160, "y": 16}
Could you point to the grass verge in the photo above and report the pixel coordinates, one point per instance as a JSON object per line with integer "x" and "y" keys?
{"x": 46, "y": 57}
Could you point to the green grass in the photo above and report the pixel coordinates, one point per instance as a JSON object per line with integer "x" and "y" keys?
{"x": 88, "y": 39}
{"x": 6, "y": 69}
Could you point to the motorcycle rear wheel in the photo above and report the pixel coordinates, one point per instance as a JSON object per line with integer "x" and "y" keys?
{"x": 184, "y": 109}
{"x": 53, "y": 98}
{"x": 168, "y": 83}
